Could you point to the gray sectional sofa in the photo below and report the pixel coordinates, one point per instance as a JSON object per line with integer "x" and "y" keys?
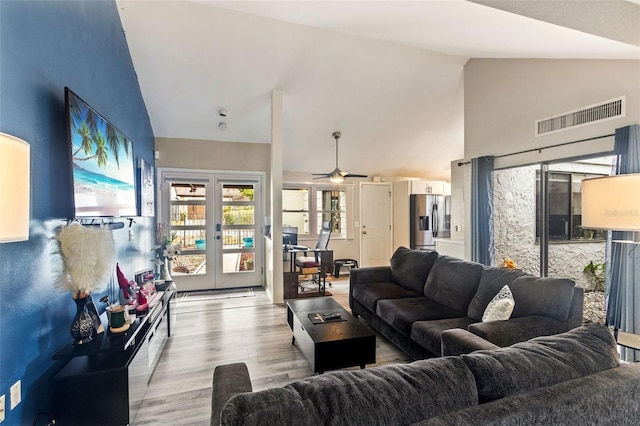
{"x": 571, "y": 378}
{"x": 422, "y": 294}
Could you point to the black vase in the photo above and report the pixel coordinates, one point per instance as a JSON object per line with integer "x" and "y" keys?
{"x": 82, "y": 325}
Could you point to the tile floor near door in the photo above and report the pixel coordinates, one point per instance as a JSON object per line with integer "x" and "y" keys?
{"x": 217, "y": 328}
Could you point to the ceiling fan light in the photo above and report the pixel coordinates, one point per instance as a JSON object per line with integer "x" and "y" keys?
{"x": 337, "y": 178}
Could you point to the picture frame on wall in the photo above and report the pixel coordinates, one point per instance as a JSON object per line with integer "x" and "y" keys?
{"x": 147, "y": 192}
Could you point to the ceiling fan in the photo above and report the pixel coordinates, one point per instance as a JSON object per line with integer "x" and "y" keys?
{"x": 337, "y": 175}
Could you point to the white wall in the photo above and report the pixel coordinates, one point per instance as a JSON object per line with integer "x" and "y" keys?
{"x": 504, "y": 98}
{"x": 213, "y": 155}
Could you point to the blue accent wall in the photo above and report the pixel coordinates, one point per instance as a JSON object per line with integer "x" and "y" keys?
{"x": 45, "y": 46}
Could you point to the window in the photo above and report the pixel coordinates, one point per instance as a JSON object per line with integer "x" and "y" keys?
{"x": 307, "y": 206}
{"x": 565, "y": 207}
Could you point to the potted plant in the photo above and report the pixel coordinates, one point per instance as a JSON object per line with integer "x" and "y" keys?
{"x": 201, "y": 243}
{"x": 248, "y": 265}
{"x": 597, "y": 272}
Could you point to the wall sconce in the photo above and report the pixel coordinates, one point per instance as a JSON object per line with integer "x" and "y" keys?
{"x": 612, "y": 203}
{"x": 15, "y": 189}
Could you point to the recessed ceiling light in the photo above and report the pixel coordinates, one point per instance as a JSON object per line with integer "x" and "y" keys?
{"x": 222, "y": 112}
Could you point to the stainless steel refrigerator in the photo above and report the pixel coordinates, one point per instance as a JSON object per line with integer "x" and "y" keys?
{"x": 430, "y": 217}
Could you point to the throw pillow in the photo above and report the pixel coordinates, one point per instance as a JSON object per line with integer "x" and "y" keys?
{"x": 492, "y": 280}
{"x": 500, "y": 307}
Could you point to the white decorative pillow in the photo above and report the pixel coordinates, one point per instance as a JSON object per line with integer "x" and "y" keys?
{"x": 500, "y": 307}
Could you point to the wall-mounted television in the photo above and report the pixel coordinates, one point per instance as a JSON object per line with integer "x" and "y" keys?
{"x": 102, "y": 163}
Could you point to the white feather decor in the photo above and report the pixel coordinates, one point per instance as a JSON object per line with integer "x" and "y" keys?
{"x": 87, "y": 258}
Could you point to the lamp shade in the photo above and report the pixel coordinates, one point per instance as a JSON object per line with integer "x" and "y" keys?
{"x": 611, "y": 203}
{"x": 14, "y": 189}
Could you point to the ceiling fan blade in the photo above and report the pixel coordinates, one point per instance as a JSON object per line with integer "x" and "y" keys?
{"x": 347, "y": 174}
{"x": 337, "y": 175}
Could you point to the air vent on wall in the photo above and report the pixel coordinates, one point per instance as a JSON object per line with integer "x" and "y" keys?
{"x": 607, "y": 110}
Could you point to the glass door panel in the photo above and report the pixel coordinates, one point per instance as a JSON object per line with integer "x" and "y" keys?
{"x": 238, "y": 230}
{"x": 517, "y": 219}
{"x": 188, "y": 227}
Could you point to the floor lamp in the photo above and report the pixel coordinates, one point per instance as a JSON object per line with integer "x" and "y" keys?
{"x": 613, "y": 203}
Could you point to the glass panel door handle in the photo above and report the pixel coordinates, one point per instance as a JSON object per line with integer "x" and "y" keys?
{"x": 218, "y": 237}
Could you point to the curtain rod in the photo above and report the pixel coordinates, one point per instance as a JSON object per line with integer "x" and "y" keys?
{"x": 462, "y": 163}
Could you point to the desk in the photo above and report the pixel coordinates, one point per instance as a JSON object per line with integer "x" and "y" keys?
{"x": 326, "y": 267}
{"x": 292, "y": 256}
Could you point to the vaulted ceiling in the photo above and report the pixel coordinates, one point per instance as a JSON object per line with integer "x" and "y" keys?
{"x": 387, "y": 74}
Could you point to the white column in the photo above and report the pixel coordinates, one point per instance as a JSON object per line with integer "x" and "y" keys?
{"x": 275, "y": 286}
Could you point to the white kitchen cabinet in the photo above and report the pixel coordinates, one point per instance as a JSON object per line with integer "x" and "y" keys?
{"x": 427, "y": 187}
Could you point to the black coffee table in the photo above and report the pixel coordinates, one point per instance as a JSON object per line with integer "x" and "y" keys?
{"x": 330, "y": 345}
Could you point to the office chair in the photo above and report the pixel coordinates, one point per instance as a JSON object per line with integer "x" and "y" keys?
{"x": 318, "y": 271}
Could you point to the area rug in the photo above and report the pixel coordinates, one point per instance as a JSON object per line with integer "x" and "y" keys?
{"x": 199, "y": 296}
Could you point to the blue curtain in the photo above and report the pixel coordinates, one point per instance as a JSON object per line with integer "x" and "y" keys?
{"x": 622, "y": 281}
{"x": 482, "y": 210}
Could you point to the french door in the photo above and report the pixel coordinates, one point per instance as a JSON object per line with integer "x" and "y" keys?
{"x": 215, "y": 219}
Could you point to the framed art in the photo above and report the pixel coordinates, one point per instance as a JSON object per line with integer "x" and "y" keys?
{"x": 147, "y": 193}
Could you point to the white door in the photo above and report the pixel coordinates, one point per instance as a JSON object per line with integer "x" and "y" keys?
{"x": 238, "y": 231}
{"x": 212, "y": 227}
{"x": 375, "y": 224}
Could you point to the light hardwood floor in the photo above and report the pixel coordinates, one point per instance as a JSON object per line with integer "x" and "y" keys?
{"x": 211, "y": 331}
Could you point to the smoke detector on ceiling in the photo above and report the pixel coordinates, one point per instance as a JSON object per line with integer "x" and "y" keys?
{"x": 222, "y": 125}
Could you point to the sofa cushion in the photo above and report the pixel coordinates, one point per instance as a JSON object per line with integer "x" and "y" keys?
{"x": 606, "y": 398}
{"x": 542, "y": 296}
{"x": 410, "y": 268}
{"x": 542, "y": 361}
{"x": 500, "y": 307}
{"x": 453, "y": 282}
{"x": 402, "y": 313}
{"x": 368, "y": 295}
{"x": 491, "y": 281}
{"x": 428, "y": 334}
{"x": 408, "y": 393}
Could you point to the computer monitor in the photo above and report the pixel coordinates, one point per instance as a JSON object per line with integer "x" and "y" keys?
{"x": 290, "y": 235}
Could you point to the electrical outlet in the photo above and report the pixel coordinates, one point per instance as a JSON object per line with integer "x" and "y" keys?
{"x": 16, "y": 394}
{"x": 1, "y": 408}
